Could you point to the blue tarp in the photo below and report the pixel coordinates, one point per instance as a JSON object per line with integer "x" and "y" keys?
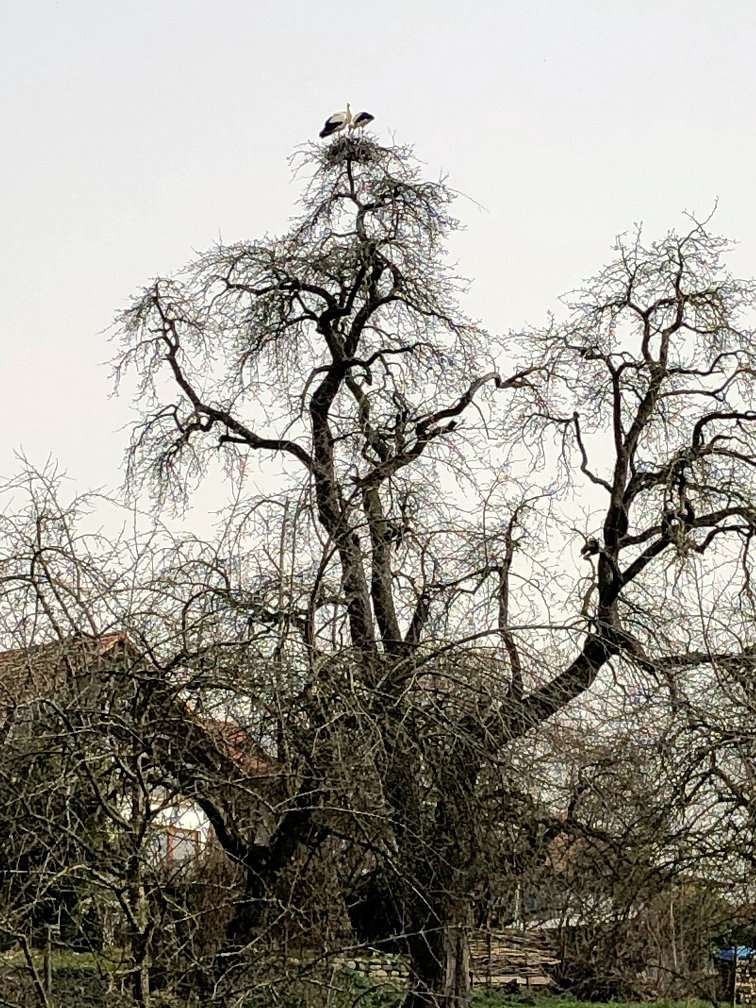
{"x": 742, "y": 952}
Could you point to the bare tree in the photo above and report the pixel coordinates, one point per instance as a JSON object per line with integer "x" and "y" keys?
{"x": 419, "y": 612}
{"x": 91, "y": 718}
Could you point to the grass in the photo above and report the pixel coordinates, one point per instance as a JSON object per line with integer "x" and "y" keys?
{"x": 60, "y": 959}
{"x": 492, "y": 999}
{"x": 359, "y": 990}
{"x": 384, "y": 996}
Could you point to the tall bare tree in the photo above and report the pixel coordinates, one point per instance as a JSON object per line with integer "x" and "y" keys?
{"x": 411, "y": 582}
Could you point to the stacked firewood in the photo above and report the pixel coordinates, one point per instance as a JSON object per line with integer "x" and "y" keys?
{"x": 512, "y": 959}
{"x": 746, "y": 981}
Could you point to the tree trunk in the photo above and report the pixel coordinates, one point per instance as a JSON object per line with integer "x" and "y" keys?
{"x": 244, "y": 926}
{"x": 440, "y": 974}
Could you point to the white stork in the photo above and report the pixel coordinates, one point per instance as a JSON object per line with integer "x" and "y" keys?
{"x": 361, "y": 120}
{"x": 338, "y": 121}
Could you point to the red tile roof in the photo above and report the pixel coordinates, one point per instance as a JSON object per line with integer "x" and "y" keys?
{"x": 29, "y": 671}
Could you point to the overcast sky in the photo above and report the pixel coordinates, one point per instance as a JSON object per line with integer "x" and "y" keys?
{"x": 136, "y": 132}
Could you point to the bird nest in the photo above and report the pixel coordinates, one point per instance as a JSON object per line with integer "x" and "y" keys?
{"x": 351, "y": 148}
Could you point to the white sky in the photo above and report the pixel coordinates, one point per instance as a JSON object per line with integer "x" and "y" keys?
{"x": 133, "y": 133}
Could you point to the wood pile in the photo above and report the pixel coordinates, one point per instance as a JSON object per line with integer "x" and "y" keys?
{"x": 512, "y": 959}
{"x": 746, "y": 981}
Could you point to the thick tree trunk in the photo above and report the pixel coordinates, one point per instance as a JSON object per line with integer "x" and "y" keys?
{"x": 232, "y": 961}
{"x": 437, "y": 876}
{"x": 440, "y": 974}
{"x": 245, "y": 924}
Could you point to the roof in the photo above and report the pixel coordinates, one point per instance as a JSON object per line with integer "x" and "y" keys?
{"x": 26, "y": 672}
{"x": 29, "y": 673}
{"x": 55, "y": 650}
{"x": 739, "y": 952}
{"x": 235, "y": 741}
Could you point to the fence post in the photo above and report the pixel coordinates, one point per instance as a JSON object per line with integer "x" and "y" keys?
{"x": 47, "y": 960}
{"x": 734, "y": 991}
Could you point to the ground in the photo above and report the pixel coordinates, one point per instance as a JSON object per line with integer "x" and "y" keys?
{"x": 80, "y": 981}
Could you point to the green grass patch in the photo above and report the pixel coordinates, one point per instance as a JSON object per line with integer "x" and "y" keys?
{"x": 60, "y": 959}
{"x": 493, "y": 999}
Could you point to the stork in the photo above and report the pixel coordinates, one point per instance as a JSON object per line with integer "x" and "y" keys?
{"x": 338, "y": 121}
{"x": 361, "y": 120}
